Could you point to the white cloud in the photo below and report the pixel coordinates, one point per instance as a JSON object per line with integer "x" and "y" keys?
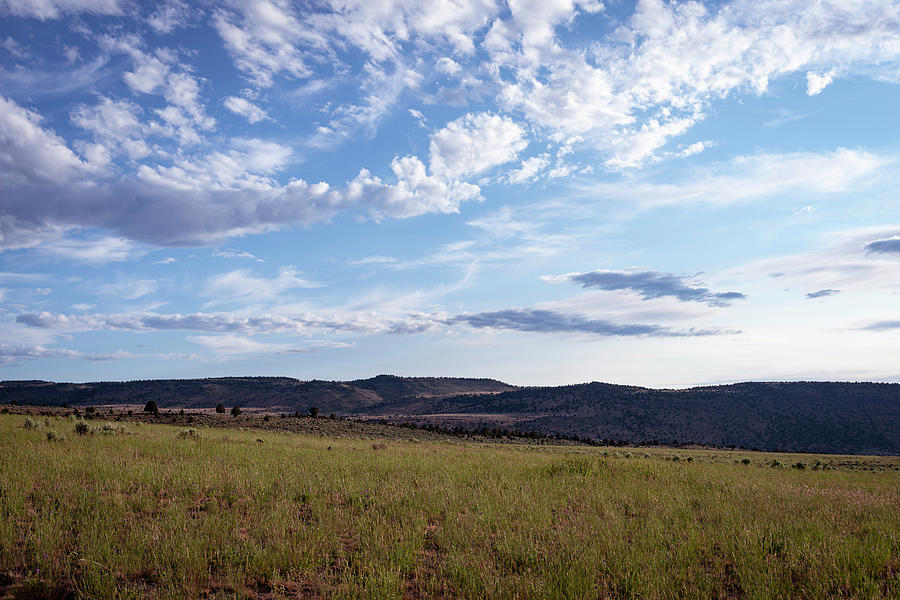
{"x": 96, "y": 250}
{"x": 149, "y": 74}
{"x": 529, "y": 169}
{"x": 246, "y": 109}
{"x": 170, "y": 16}
{"x": 334, "y": 322}
{"x": 52, "y": 9}
{"x": 129, "y": 289}
{"x": 233, "y": 254}
{"x": 116, "y": 124}
{"x": 261, "y": 38}
{"x": 475, "y": 143}
{"x": 815, "y": 82}
{"x": 15, "y": 48}
{"x": 751, "y": 177}
{"x": 30, "y": 153}
{"x": 239, "y": 345}
{"x": 415, "y": 192}
{"x": 651, "y": 80}
{"x": 244, "y": 285}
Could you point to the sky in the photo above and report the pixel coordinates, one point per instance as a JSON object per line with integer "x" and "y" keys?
{"x": 539, "y": 191}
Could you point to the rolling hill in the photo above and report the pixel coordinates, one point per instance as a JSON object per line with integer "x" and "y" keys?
{"x": 827, "y": 417}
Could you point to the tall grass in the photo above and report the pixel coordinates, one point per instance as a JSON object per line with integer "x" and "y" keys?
{"x": 218, "y": 513}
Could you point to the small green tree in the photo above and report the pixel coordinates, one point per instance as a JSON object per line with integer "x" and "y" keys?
{"x": 151, "y": 407}
{"x": 235, "y": 411}
{"x": 220, "y": 408}
{"x": 314, "y": 411}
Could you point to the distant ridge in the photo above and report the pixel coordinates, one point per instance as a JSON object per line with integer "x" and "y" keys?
{"x": 822, "y": 417}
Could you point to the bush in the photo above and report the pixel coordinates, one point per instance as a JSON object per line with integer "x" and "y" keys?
{"x": 81, "y": 428}
{"x": 220, "y": 408}
{"x": 235, "y": 410}
{"x": 31, "y": 423}
{"x": 110, "y": 429}
{"x": 52, "y": 436}
{"x": 151, "y": 407}
{"x": 189, "y": 434}
{"x": 798, "y": 465}
{"x": 745, "y": 461}
{"x": 314, "y": 411}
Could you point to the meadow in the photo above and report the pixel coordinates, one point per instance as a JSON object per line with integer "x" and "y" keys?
{"x": 158, "y": 511}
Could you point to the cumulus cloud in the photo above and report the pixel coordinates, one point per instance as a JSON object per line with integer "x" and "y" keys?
{"x": 822, "y": 293}
{"x": 653, "y": 78}
{"x": 246, "y": 109}
{"x": 529, "y": 170}
{"x": 816, "y": 82}
{"x": 53, "y": 9}
{"x": 29, "y": 153}
{"x": 170, "y": 16}
{"x": 263, "y": 39}
{"x": 475, "y": 143}
{"x": 651, "y": 284}
{"x": 548, "y": 321}
{"x": 202, "y": 198}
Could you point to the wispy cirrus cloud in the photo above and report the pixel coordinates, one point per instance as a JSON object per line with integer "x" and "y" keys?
{"x": 243, "y": 284}
{"x": 231, "y": 345}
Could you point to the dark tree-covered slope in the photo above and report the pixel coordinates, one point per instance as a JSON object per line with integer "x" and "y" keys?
{"x": 827, "y": 417}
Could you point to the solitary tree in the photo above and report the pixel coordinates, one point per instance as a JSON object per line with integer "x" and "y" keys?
{"x": 314, "y": 411}
{"x": 151, "y": 407}
{"x": 235, "y": 411}
{"x": 220, "y": 408}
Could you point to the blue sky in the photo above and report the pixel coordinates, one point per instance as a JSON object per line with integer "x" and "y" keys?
{"x": 544, "y": 192}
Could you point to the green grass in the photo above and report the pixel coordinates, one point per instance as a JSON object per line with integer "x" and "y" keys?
{"x": 155, "y": 514}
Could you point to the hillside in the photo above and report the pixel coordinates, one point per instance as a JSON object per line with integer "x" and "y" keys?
{"x": 801, "y": 416}
{"x": 860, "y": 418}
{"x": 275, "y": 393}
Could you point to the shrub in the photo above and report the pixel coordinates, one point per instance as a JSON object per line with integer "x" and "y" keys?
{"x": 189, "y": 434}
{"x": 30, "y": 423}
{"x": 314, "y": 411}
{"x": 798, "y": 465}
{"x": 745, "y": 461}
{"x": 52, "y": 436}
{"x": 151, "y": 407}
{"x": 220, "y": 408}
{"x": 90, "y": 410}
{"x": 81, "y": 427}
{"x": 267, "y": 418}
{"x": 235, "y": 410}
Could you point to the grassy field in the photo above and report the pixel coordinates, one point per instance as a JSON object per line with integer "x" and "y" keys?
{"x": 153, "y": 511}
